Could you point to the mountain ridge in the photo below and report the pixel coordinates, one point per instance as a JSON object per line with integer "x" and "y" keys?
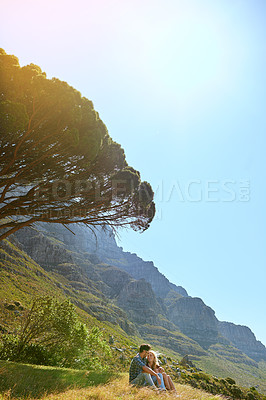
{"x": 84, "y": 268}
{"x": 101, "y": 247}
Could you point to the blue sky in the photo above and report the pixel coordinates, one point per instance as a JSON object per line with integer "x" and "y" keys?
{"x": 181, "y": 85}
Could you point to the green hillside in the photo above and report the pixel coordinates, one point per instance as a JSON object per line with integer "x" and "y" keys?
{"x": 21, "y": 279}
{"x": 24, "y": 381}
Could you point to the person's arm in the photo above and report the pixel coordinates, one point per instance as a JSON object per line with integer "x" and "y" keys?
{"x": 151, "y": 372}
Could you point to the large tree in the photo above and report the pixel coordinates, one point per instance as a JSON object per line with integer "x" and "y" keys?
{"x": 58, "y": 163}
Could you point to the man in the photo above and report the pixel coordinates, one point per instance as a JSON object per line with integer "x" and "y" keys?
{"x": 139, "y": 373}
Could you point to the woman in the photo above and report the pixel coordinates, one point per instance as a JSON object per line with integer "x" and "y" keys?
{"x": 153, "y": 363}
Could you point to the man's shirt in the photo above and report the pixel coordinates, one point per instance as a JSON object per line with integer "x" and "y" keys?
{"x": 136, "y": 367}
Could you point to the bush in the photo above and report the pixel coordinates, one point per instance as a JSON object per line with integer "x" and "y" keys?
{"x": 193, "y": 383}
{"x": 236, "y": 392}
{"x": 250, "y": 396}
{"x": 223, "y": 382}
{"x": 51, "y": 334}
{"x": 230, "y": 381}
{"x": 8, "y": 347}
{"x": 97, "y": 352}
{"x": 203, "y": 385}
{"x": 201, "y": 376}
{"x": 32, "y": 353}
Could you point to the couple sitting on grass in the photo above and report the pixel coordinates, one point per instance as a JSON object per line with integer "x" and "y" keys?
{"x": 146, "y": 371}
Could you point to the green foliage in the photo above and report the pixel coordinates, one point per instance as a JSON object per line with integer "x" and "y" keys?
{"x": 32, "y": 353}
{"x": 51, "y": 334}
{"x": 97, "y": 353}
{"x": 242, "y": 373}
{"x": 59, "y": 163}
{"x": 201, "y": 376}
{"x": 236, "y": 392}
{"x": 226, "y": 387}
{"x": 8, "y": 347}
{"x": 55, "y": 326}
{"x": 230, "y": 381}
{"x": 13, "y": 117}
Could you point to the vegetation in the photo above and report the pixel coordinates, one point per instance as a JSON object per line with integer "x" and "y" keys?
{"x": 51, "y": 334}
{"x": 58, "y": 162}
{"x": 245, "y": 375}
{"x": 226, "y": 387}
{"x": 27, "y": 381}
{"x": 18, "y": 379}
{"x": 21, "y": 278}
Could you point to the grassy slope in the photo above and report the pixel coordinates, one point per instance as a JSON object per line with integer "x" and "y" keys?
{"x": 21, "y": 279}
{"x": 37, "y": 381}
{"x": 243, "y": 374}
{"x": 28, "y": 381}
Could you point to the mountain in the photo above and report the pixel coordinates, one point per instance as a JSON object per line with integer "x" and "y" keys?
{"x": 130, "y": 295}
{"x": 244, "y": 339}
{"x": 191, "y": 315}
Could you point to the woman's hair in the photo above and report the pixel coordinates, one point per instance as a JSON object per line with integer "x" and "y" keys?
{"x": 155, "y": 362}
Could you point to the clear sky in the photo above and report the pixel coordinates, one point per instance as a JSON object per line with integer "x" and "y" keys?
{"x": 181, "y": 85}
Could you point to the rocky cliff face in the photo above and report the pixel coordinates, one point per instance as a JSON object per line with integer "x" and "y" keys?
{"x": 140, "y": 269}
{"x": 44, "y": 251}
{"x": 139, "y": 301}
{"x": 244, "y": 339}
{"x": 195, "y": 320}
{"x": 103, "y": 246}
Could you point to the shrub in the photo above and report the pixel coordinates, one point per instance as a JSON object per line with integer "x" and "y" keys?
{"x": 236, "y": 392}
{"x": 96, "y": 353}
{"x": 201, "y": 376}
{"x": 193, "y": 383}
{"x": 51, "y": 334}
{"x": 250, "y": 396}
{"x": 223, "y": 382}
{"x": 8, "y": 347}
{"x": 230, "y": 381}
{"x": 203, "y": 385}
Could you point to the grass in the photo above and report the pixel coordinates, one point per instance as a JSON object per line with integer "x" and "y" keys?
{"x": 32, "y": 381}
{"x": 23, "y": 381}
{"x": 120, "y": 389}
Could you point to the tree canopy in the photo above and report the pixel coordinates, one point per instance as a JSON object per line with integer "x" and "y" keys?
{"x": 51, "y": 333}
{"x": 58, "y": 163}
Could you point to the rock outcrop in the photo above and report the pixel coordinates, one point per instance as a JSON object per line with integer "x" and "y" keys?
{"x": 140, "y": 269}
{"x": 138, "y": 300}
{"x": 244, "y": 339}
{"x": 101, "y": 245}
{"x": 195, "y": 319}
